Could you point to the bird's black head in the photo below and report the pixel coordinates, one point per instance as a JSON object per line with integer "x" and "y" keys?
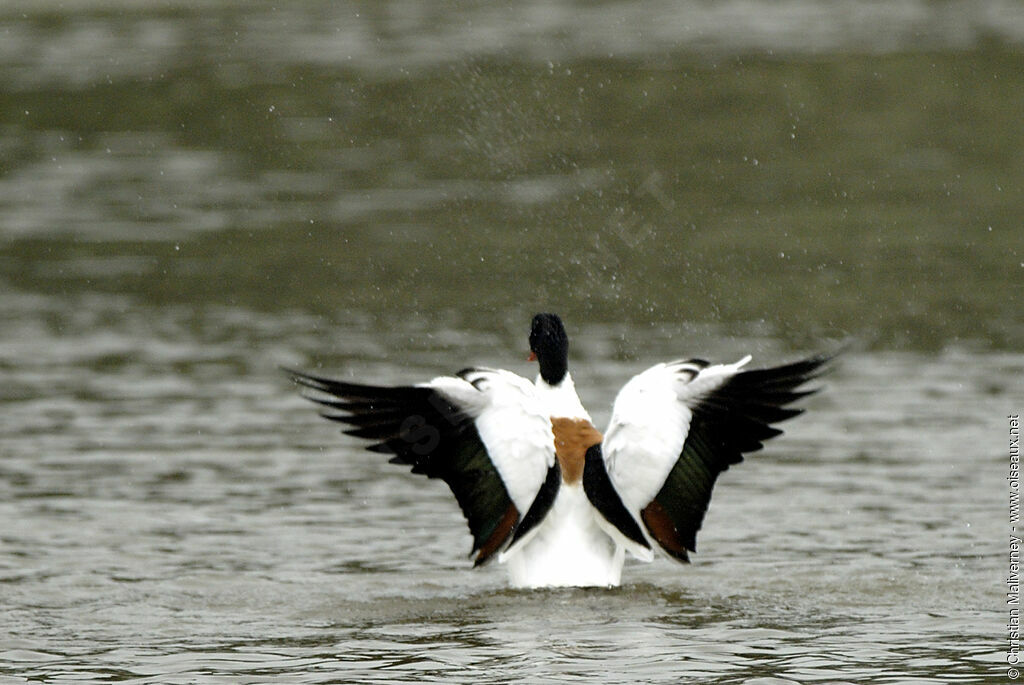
{"x": 549, "y": 345}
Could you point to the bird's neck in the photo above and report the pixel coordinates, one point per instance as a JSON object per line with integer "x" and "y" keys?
{"x": 560, "y": 399}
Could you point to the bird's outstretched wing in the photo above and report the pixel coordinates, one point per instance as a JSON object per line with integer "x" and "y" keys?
{"x": 676, "y": 426}
{"x": 480, "y": 431}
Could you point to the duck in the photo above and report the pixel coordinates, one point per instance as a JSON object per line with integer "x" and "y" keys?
{"x": 543, "y": 491}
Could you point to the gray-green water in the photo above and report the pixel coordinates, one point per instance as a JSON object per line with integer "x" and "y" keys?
{"x": 194, "y": 193}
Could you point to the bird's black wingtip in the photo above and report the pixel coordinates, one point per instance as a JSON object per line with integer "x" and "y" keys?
{"x": 825, "y": 362}
{"x": 302, "y": 378}
{"x": 816, "y": 365}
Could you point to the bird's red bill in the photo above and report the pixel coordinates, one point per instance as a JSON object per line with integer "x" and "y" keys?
{"x": 532, "y": 357}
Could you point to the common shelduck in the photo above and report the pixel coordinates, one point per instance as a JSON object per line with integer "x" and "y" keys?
{"x": 541, "y": 488}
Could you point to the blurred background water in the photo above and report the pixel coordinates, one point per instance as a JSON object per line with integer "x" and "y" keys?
{"x": 193, "y": 193}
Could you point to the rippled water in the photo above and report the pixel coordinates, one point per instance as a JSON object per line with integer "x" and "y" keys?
{"x": 195, "y": 194}
{"x": 173, "y": 511}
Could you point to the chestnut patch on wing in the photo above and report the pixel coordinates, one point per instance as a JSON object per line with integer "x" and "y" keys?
{"x": 660, "y": 526}
{"x": 573, "y": 437}
{"x": 500, "y": 534}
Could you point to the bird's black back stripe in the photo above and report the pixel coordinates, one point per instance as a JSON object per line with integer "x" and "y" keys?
{"x": 601, "y": 493}
{"x": 541, "y": 503}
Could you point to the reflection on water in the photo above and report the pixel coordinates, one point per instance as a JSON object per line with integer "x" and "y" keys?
{"x": 192, "y": 195}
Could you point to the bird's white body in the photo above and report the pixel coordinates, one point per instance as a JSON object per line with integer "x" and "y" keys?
{"x": 569, "y": 548}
